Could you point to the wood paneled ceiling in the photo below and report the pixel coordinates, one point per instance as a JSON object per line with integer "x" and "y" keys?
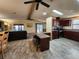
{"x": 16, "y": 9}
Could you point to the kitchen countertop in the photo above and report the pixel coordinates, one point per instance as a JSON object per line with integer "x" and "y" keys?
{"x": 42, "y": 35}
{"x": 73, "y": 30}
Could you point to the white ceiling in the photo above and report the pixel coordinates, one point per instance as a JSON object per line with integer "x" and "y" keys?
{"x": 16, "y": 9}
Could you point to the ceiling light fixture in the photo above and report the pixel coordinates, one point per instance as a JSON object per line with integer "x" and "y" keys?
{"x": 58, "y": 12}
{"x": 44, "y": 13}
{"x": 78, "y": 0}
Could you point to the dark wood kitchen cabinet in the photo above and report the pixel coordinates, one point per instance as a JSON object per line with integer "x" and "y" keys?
{"x": 54, "y": 34}
{"x": 61, "y": 22}
{"x": 64, "y": 22}
{"x": 41, "y": 41}
{"x": 72, "y": 34}
{"x": 58, "y": 25}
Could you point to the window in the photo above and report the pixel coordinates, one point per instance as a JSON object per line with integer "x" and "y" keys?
{"x": 18, "y": 27}
{"x": 75, "y": 24}
{"x": 40, "y": 27}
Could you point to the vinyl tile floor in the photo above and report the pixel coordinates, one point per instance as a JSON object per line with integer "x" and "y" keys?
{"x": 59, "y": 49}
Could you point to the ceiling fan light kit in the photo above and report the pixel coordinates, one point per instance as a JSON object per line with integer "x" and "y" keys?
{"x": 38, "y": 1}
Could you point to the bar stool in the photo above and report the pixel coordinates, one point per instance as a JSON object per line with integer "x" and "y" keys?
{"x": 2, "y": 53}
{"x": 3, "y": 42}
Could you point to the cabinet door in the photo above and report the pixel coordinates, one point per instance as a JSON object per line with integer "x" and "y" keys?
{"x": 54, "y": 34}
{"x": 64, "y": 22}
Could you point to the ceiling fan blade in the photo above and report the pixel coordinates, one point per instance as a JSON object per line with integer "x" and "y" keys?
{"x": 29, "y": 2}
{"x": 45, "y": 4}
{"x": 37, "y": 6}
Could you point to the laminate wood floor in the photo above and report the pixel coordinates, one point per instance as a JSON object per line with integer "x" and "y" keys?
{"x": 59, "y": 49}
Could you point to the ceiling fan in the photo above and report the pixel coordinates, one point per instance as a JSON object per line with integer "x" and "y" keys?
{"x": 37, "y": 1}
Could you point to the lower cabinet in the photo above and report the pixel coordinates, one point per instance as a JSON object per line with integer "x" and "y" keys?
{"x": 55, "y": 34}
{"x": 41, "y": 42}
{"x": 73, "y": 35}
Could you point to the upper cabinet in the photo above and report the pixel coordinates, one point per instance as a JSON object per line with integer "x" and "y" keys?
{"x": 65, "y": 22}
{"x": 61, "y": 22}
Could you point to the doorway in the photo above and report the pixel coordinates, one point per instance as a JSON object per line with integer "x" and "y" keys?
{"x": 40, "y": 27}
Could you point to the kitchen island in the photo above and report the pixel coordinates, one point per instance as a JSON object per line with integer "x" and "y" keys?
{"x": 41, "y": 41}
